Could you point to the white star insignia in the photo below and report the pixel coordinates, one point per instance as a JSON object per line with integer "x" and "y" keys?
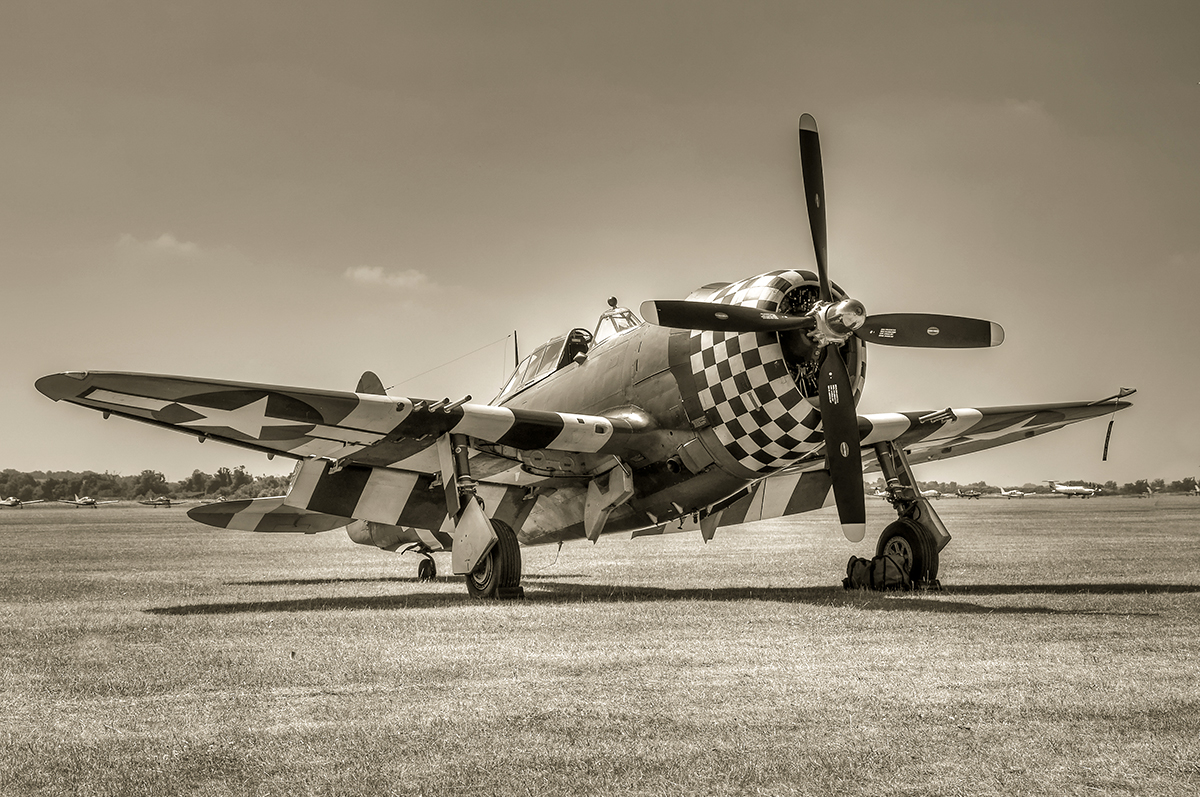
{"x": 249, "y": 419}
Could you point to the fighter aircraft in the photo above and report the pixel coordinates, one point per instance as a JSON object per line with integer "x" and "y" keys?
{"x": 1014, "y": 493}
{"x": 1073, "y": 489}
{"x": 733, "y": 405}
{"x": 969, "y": 493}
{"x": 85, "y": 501}
{"x": 17, "y": 503}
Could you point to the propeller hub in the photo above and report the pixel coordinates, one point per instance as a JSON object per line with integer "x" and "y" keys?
{"x": 837, "y": 321}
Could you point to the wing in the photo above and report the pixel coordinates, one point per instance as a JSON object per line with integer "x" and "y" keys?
{"x": 928, "y": 436}
{"x": 364, "y": 428}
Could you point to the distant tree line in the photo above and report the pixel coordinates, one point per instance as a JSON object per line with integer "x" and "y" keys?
{"x": 237, "y": 483}
{"x": 1139, "y": 487}
{"x": 225, "y": 483}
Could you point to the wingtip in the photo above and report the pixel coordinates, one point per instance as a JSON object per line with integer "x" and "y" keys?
{"x": 807, "y": 122}
{"x": 61, "y": 386}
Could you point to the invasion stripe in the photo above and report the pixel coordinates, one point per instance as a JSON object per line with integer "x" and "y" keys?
{"x": 533, "y": 429}
{"x": 384, "y": 495}
{"x": 338, "y": 493}
{"x": 425, "y": 507}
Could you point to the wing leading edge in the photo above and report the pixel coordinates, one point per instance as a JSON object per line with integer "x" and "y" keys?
{"x": 365, "y": 428}
{"x": 936, "y": 435}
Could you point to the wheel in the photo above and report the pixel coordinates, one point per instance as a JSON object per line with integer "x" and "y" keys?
{"x": 427, "y": 570}
{"x": 915, "y": 547}
{"x": 500, "y": 569}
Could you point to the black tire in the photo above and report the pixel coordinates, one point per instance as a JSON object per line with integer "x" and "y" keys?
{"x": 427, "y": 570}
{"x": 500, "y": 569}
{"x": 914, "y": 546}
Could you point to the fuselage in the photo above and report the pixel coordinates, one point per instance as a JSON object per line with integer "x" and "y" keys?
{"x": 715, "y": 411}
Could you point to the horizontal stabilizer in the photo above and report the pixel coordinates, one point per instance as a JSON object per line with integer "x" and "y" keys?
{"x": 264, "y": 514}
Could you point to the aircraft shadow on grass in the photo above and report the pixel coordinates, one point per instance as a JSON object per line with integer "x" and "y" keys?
{"x": 372, "y": 580}
{"x": 552, "y": 592}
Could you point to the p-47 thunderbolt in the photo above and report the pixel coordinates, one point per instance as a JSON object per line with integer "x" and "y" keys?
{"x": 735, "y": 404}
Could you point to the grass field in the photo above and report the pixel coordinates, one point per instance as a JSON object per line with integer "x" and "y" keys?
{"x": 143, "y": 654}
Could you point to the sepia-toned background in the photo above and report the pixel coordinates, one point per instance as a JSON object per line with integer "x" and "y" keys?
{"x": 296, "y": 192}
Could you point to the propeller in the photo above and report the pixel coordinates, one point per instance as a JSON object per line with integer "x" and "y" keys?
{"x": 828, "y": 324}
{"x": 716, "y": 317}
{"x": 839, "y": 420}
{"x": 908, "y": 330}
{"x": 843, "y": 456}
{"x": 814, "y": 197}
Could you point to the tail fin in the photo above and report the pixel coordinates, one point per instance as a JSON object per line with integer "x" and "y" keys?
{"x": 370, "y": 383}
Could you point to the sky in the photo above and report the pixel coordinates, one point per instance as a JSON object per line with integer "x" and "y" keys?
{"x": 293, "y": 193}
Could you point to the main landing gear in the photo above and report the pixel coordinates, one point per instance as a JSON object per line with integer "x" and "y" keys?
{"x": 485, "y": 550}
{"x": 918, "y": 536}
{"x": 498, "y": 574}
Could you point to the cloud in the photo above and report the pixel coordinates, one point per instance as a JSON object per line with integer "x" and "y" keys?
{"x": 165, "y": 244}
{"x": 408, "y": 280}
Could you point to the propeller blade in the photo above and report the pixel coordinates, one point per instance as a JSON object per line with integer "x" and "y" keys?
{"x": 928, "y": 331}
{"x": 842, "y": 455}
{"x": 720, "y": 317}
{"x": 814, "y": 197}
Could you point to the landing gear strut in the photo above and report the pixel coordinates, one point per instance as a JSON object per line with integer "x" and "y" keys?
{"x": 484, "y": 550}
{"x": 919, "y": 535}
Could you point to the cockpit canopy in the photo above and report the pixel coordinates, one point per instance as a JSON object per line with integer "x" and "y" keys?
{"x": 615, "y": 321}
{"x": 563, "y": 350}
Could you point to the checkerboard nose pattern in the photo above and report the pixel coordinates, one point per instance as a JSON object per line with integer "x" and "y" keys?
{"x": 745, "y": 388}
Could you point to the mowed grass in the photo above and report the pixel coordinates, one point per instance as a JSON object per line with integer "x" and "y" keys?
{"x": 143, "y": 654}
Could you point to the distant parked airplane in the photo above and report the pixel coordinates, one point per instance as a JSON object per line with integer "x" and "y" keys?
{"x": 1073, "y": 489}
{"x": 1011, "y": 493}
{"x": 85, "y": 501}
{"x": 969, "y": 493}
{"x": 17, "y": 502}
{"x": 162, "y": 501}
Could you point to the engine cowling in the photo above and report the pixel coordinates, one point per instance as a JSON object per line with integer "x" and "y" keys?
{"x": 753, "y": 395}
